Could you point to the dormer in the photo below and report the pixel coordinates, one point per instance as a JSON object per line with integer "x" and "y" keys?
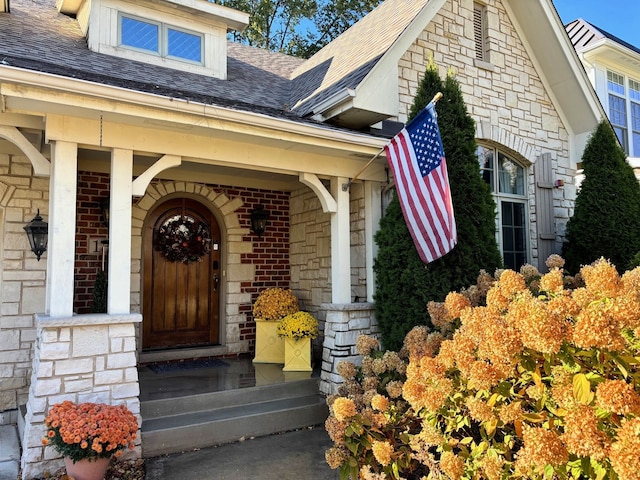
{"x": 187, "y": 35}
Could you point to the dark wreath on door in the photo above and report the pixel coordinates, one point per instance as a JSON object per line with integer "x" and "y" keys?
{"x": 181, "y": 276}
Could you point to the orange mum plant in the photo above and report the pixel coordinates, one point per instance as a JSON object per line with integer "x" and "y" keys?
{"x": 275, "y": 303}
{"x": 90, "y": 430}
{"x": 538, "y": 379}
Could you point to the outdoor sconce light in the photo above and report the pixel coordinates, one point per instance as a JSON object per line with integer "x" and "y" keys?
{"x": 259, "y": 217}
{"x": 38, "y": 234}
{"x": 104, "y": 208}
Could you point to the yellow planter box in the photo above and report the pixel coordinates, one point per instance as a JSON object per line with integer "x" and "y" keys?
{"x": 297, "y": 355}
{"x": 269, "y": 346}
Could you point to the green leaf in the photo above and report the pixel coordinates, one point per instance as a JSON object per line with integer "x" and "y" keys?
{"x": 581, "y": 388}
{"x": 548, "y": 471}
{"x": 490, "y": 426}
{"x": 353, "y": 447}
{"x": 528, "y": 363}
{"x": 394, "y": 468}
{"x": 534, "y": 417}
{"x": 598, "y": 469}
{"x": 622, "y": 365}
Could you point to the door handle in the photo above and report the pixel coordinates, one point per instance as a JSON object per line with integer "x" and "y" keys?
{"x": 216, "y": 280}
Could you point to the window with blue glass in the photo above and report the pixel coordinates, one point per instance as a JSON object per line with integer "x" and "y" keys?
{"x": 161, "y": 39}
{"x": 184, "y": 45}
{"x": 138, "y": 34}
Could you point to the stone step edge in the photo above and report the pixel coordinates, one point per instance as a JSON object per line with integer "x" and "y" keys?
{"x": 185, "y": 420}
{"x": 162, "y": 407}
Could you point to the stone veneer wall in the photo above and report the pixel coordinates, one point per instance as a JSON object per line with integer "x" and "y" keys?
{"x": 22, "y": 279}
{"x": 85, "y": 358}
{"x": 344, "y": 324}
{"x": 506, "y": 97}
{"x": 311, "y": 253}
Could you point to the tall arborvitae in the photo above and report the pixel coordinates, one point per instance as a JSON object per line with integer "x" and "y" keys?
{"x": 606, "y": 219}
{"x": 404, "y": 284}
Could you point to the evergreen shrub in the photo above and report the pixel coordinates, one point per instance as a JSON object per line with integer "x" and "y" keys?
{"x": 606, "y": 219}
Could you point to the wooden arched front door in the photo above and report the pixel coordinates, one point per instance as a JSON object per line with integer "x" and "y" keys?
{"x": 181, "y": 278}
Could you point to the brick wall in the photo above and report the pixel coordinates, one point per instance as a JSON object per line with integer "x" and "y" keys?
{"x": 92, "y": 189}
{"x": 270, "y": 254}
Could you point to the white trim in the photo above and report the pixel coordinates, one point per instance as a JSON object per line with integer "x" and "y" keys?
{"x": 124, "y": 96}
{"x": 326, "y": 200}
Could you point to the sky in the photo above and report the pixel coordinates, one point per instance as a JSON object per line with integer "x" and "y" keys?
{"x": 618, "y": 17}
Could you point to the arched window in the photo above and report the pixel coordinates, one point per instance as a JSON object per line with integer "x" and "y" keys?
{"x": 507, "y": 179}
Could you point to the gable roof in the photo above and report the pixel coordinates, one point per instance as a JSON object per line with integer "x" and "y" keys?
{"x": 343, "y": 63}
{"x": 584, "y": 34}
{"x": 352, "y": 81}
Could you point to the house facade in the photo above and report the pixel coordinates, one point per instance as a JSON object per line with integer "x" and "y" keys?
{"x": 145, "y": 107}
{"x": 613, "y": 68}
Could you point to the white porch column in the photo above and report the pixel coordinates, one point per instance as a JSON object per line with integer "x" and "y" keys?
{"x": 340, "y": 244}
{"x": 119, "y": 285}
{"x": 61, "y": 248}
{"x": 372, "y": 216}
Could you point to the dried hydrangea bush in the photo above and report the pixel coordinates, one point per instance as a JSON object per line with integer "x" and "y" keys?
{"x": 531, "y": 376}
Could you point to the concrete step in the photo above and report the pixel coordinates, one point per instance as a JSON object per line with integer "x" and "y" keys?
{"x": 205, "y": 401}
{"x": 223, "y": 417}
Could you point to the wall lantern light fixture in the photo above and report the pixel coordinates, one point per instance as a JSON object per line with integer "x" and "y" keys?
{"x": 104, "y": 209}
{"x": 38, "y": 235}
{"x": 259, "y": 217}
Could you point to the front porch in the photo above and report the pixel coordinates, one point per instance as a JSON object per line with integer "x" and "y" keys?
{"x": 207, "y": 402}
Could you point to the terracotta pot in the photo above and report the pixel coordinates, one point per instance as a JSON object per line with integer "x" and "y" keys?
{"x": 87, "y": 469}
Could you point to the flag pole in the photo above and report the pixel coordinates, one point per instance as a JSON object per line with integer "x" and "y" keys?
{"x": 345, "y": 186}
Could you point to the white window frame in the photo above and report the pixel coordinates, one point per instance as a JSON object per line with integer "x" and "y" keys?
{"x": 163, "y": 39}
{"x": 501, "y": 198}
{"x": 615, "y": 78}
{"x": 634, "y": 101}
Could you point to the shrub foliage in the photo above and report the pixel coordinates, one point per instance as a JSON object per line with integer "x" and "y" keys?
{"x": 606, "y": 220}
{"x": 530, "y": 376}
{"x": 404, "y": 285}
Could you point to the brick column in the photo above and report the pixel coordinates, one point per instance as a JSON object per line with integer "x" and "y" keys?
{"x": 85, "y": 358}
{"x": 344, "y": 324}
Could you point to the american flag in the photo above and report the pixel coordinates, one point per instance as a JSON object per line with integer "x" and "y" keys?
{"x": 419, "y": 167}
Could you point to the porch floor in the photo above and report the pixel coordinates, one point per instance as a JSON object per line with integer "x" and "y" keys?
{"x": 233, "y": 374}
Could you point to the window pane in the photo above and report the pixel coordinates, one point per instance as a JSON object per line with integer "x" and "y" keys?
{"x": 615, "y": 83}
{"x": 514, "y": 238}
{"x": 510, "y": 175}
{"x": 135, "y": 33}
{"x": 634, "y": 90}
{"x": 184, "y": 45}
{"x": 485, "y": 158}
{"x": 635, "y": 117}
{"x": 636, "y": 144}
{"x": 617, "y": 111}
{"x": 621, "y": 133}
